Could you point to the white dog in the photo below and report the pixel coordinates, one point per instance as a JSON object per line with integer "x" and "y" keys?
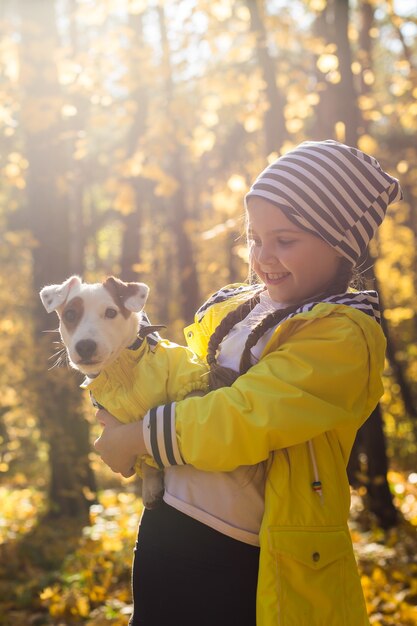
{"x": 128, "y": 369}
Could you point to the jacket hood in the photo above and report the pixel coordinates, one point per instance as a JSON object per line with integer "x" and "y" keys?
{"x": 365, "y": 301}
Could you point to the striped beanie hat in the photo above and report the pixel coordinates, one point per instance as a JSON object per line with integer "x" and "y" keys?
{"x": 332, "y": 190}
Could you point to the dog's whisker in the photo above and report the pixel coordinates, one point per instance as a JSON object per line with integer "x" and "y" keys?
{"x": 56, "y": 363}
{"x": 58, "y": 353}
{"x": 61, "y": 360}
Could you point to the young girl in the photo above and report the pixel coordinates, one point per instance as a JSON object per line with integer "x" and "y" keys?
{"x": 296, "y": 365}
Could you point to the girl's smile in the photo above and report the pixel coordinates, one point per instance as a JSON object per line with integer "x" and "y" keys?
{"x": 293, "y": 263}
{"x": 276, "y": 278}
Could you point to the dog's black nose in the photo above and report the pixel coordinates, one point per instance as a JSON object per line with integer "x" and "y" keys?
{"x": 86, "y": 348}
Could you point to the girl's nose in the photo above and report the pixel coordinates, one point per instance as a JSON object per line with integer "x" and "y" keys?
{"x": 265, "y": 254}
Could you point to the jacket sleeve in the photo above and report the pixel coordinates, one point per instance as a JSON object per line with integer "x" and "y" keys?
{"x": 185, "y": 371}
{"x": 318, "y": 380}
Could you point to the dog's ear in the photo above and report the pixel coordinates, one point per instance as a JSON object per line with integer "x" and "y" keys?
{"x": 137, "y": 301}
{"x": 54, "y": 296}
{"x": 131, "y": 296}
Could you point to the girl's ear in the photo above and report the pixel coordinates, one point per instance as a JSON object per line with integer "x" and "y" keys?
{"x": 130, "y": 296}
{"x": 54, "y": 296}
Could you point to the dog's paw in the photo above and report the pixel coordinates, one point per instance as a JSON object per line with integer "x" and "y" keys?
{"x": 152, "y": 501}
{"x": 152, "y": 486}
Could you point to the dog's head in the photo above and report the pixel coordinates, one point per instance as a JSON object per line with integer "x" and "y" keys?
{"x": 96, "y": 320}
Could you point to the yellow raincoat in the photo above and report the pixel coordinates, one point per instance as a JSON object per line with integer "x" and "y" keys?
{"x": 152, "y": 374}
{"x": 300, "y": 406}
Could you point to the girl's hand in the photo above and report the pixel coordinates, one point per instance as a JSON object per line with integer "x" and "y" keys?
{"x": 119, "y": 444}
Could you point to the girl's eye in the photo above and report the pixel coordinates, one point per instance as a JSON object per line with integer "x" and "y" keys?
{"x": 110, "y": 313}
{"x": 285, "y": 242}
{"x": 70, "y": 315}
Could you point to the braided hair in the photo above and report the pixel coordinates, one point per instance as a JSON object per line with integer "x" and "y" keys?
{"x": 220, "y": 376}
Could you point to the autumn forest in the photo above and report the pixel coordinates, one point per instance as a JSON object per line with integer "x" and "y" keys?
{"x": 130, "y": 132}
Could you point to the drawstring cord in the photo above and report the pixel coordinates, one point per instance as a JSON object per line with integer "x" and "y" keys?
{"x": 316, "y": 484}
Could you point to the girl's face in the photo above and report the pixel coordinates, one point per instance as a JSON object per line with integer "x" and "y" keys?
{"x": 293, "y": 263}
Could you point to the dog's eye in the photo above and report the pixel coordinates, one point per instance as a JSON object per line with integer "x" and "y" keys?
{"x": 70, "y": 315}
{"x": 110, "y": 313}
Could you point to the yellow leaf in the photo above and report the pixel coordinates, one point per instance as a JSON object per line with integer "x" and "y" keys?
{"x": 399, "y": 314}
{"x": 366, "y": 102}
{"x": 317, "y": 5}
{"x": 252, "y": 123}
{"x": 368, "y": 77}
{"x": 327, "y": 63}
{"x": 83, "y": 606}
{"x": 366, "y": 143}
{"x": 221, "y": 11}
{"x": 237, "y": 183}
{"x": 402, "y": 167}
{"x": 379, "y": 577}
{"x": 125, "y": 200}
{"x": 48, "y": 593}
{"x": 203, "y": 140}
{"x": 210, "y": 118}
{"x": 340, "y": 130}
{"x": 333, "y": 77}
{"x": 167, "y": 187}
{"x": 294, "y": 125}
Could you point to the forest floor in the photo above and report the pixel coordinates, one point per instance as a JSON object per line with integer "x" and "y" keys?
{"x": 76, "y": 574}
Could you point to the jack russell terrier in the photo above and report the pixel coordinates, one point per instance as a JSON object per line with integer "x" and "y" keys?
{"x": 129, "y": 369}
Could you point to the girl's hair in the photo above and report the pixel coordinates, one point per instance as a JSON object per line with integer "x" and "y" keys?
{"x": 224, "y": 376}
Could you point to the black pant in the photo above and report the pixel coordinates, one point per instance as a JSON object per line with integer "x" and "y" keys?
{"x": 187, "y": 574}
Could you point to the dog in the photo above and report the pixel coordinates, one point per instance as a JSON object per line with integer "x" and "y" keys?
{"x": 128, "y": 367}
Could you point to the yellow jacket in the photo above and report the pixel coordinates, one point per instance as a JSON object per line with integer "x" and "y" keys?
{"x": 301, "y": 405}
{"x": 152, "y": 374}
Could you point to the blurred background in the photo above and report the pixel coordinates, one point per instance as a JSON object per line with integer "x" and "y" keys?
{"x": 130, "y": 131}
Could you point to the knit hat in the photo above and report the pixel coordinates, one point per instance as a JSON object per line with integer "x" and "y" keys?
{"x": 332, "y": 190}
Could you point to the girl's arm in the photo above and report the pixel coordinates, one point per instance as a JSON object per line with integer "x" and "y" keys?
{"x": 326, "y": 376}
{"x": 120, "y": 444}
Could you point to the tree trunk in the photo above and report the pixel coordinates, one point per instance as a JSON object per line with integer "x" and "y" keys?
{"x": 188, "y": 285}
{"x": 338, "y": 102}
{"x": 397, "y": 368}
{"x": 348, "y": 112}
{"x": 324, "y": 126}
{"x": 57, "y": 396}
{"x": 368, "y": 466}
{"x": 365, "y": 54}
{"x": 275, "y": 129}
{"x": 77, "y": 233}
{"x": 133, "y": 222}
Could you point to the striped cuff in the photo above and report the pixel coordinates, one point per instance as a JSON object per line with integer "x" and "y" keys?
{"x": 160, "y": 436}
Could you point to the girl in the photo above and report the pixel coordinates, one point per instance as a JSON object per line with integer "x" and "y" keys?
{"x": 265, "y": 456}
